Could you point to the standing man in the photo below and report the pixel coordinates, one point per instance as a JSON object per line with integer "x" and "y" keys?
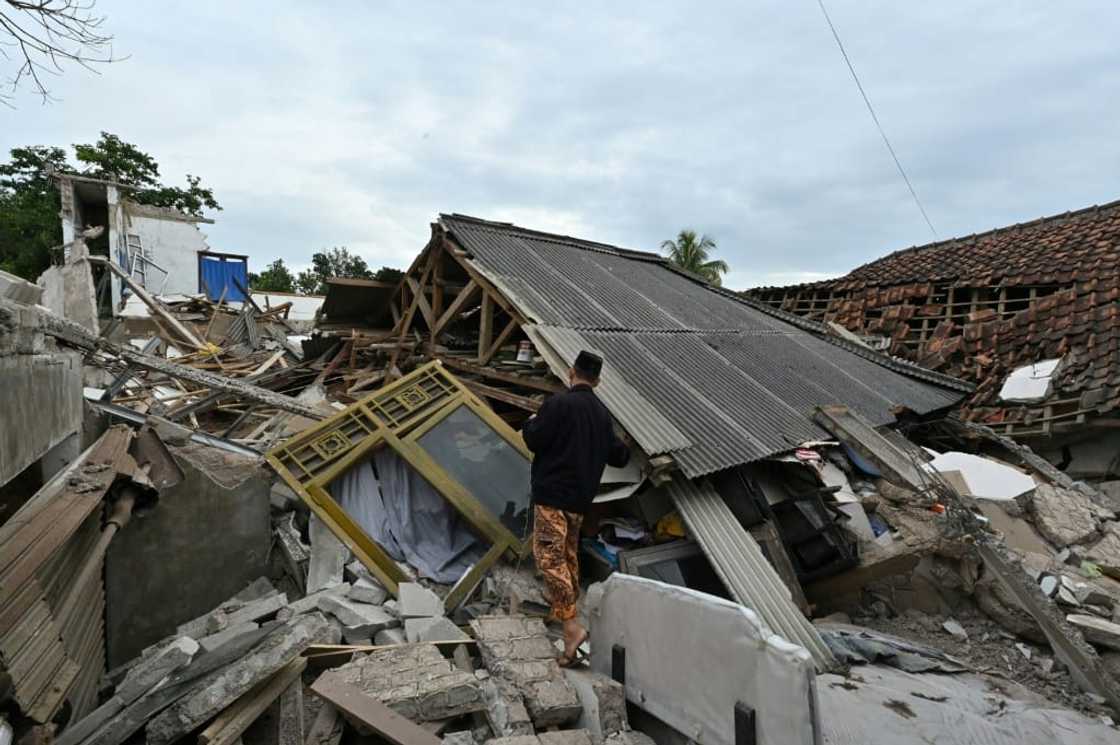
{"x": 572, "y": 438}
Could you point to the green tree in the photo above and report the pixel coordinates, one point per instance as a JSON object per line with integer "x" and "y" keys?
{"x": 333, "y": 262}
{"x": 29, "y": 205}
{"x": 389, "y": 274}
{"x": 276, "y": 278}
{"x": 113, "y": 158}
{"x": 694, "y": 254}
{"x": 29, "y": 200}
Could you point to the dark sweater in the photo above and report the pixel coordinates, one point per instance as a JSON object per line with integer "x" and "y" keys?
{"x": 572, "y": 438}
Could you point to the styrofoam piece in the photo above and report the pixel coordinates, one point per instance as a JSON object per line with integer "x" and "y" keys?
{"x": 691, "y": 657}
{"x": 1030, "y": 382}
{"x": 986, "y": 479}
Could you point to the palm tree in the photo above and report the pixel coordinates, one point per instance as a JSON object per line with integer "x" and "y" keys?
{"x": 693, "y": 255}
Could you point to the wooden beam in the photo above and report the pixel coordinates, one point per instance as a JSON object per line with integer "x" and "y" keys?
{"x": 497, "y": 394}
{"x": 525, "y": 381}
{"x": 420, "y": 292}
{"x": 485, "y": 326}
{"x": 506, "y": 332}
{"x": 371, "y": 712}
{"x": 455, "y": 308}
{"x": 458, "y": 255}
{"x": 182, "y": 331}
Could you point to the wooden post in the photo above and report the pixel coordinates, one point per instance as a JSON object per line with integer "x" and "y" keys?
{"x": 485, "y": 328}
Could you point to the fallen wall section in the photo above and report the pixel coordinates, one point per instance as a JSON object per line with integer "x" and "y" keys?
{"x": 690, "y": 658}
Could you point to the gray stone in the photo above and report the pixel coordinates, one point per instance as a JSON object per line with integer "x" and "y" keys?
{"x": 356, "y": 638}
{"x": 311, "y": 602}
{"x": 515, "y": 740}
{"x": 212, "y": 642}
{"x": 517, "y": 650}
{"x": 953, "y": 626}
{"x": 1048, "y": 584}
{"x": 1066, "y": 597}
{"x": 392, "y": 607}
{"x": 432, "y": 630}
{"x": 370, "y": 618}
{"x": 259, "y": 588}
{"x": 389, "y": 636}
{"x": 417, "y": 601}
{"x": 1063, "y": 516}
{"x": 367, "y": 591}
{"x": 217, "y": 691}
{"x": 151, "y": 670}
{"x": 327, "y": 728}
{"x": 282, "y": 498}
{"x": 328, "y": 557}
{"x": 1097, "y": 630}
{"x": 414, "y": 680}
{"x": 603, "y": 700}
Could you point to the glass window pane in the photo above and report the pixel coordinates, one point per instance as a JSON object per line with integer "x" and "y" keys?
{"x": 480, "y": 459}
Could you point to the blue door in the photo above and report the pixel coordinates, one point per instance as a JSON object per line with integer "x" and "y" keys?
{"x": 220, "y": 274}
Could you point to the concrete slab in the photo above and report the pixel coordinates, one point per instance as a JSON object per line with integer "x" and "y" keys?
{"x": 328, "y": 557}
{"x": 370, "y": 618}
{"x": 311, "y": 602}
{"x": 505, "y": 709}
{"x": 151, "y": 670}
{"x": 390, "y": 636}
{"x": 214, "y": 641}
{"x": 1097, "y": 631}
{"x": 414, "y": 680}
{"x": 603, "y": 700}
{"x": 417, "y": 601}
{"x": 368, "y": 591}
{"x": 432, "y": 630}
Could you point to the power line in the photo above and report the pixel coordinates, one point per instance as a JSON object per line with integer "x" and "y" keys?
{"x": 875, "y": 118}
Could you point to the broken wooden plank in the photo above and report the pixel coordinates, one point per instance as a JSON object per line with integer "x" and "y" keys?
{"x": 371, "y": 713}
{"x": 860, "y": 435}
{"x": 497, "y": 394}
{"x": 186, "y": 334}
{"x": 546, "y": 384}
{"x": 228, "y": 726}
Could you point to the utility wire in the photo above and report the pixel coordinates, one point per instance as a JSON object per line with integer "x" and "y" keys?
{"x": 875, "y": 118}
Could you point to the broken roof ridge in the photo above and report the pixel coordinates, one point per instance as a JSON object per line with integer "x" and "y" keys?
{"x": 582, "y": 243}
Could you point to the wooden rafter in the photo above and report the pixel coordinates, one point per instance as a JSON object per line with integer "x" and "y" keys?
{"x": 485, "y": 326}
{"x": 524, "y": 381}
{"x": 456, "y": 307}
{"x": 506, "y": 332}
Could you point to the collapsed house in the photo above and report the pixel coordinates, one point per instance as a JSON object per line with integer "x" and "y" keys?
{"x": 381, "y": 584}
{"x": 1028, "y": 313}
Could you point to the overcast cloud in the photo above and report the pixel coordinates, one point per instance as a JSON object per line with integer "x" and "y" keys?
{"x": 355, "y": 124}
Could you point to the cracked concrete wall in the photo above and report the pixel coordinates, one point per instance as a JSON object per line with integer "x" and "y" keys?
{"x": 203, "y": 542}
{"x": 40, "y": 390}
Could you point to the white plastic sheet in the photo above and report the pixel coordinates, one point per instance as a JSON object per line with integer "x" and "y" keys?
{"x": 407, "y": 517}
{"x": 986, "y": 479}
{"x": 1030, "y": 382}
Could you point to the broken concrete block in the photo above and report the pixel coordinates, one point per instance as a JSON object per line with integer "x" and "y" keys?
{"x": 630, "y": 737}
{"x": 212, "y": 642}
{"x": 328, "y": 557}
{"x": 459, "y": 738}
{"x": 392, "y": 607}
{"x": 432, "y": 630}
{"x": 217, "y": 691}
{"x": 80, "y": 731}
{"x": 515, "y": 740}
{"x": 252, "y": 611}
{"x": 505, "y": 708}
{"x": 417, "y": 601}
{"x": 311, "y": 602}
{"x": 1063, "y": 516}
{"x": 369, "y": 618}
{"x": 390, "y": 636}
{"x": 1097, "y": 630}
{"x": 953, "y": 626}
{"x": 414, "y": 680}
{"x": 603, "y": 700}
{"x": 565, "y": 737}
{"x": 282, "y": 498}
{"x": 327, "y": 727}
{"x": 259, "y": 588}
{"x": 151, "y": 670}
{"x": 1049, "y": 585}
{"x": 517, "y": 649}
{"x": 295, "y": 554}
{"x": 1105, "y": 553}
{"x": 367, "y": 591}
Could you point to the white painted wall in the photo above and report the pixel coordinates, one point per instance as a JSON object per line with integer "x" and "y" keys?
{"x": 174, "y": 246}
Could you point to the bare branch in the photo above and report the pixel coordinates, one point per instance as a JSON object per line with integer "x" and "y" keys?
{"x": 41, "y": 36}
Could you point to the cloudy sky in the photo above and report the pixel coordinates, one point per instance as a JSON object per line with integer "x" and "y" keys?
{"x": 354, "y": 124}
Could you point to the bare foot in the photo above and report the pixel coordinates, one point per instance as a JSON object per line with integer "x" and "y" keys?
{"x": 574, "y": 635}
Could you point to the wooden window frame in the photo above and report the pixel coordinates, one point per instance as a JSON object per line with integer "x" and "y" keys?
{"x": 396, "y": 416}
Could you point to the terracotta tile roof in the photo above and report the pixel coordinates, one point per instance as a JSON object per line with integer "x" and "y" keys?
{"x": 978, "y": 307}
{"x": 1060, "y": 249}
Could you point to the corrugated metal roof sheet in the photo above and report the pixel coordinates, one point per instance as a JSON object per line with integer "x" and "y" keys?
{"x": 703, "y": 375}
{"x": 739, "y": 562}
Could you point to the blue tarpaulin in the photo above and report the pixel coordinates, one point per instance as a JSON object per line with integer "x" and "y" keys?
{"x": 217, "y": 273}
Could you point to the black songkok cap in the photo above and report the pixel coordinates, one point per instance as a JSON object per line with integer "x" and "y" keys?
{"x": 589, "y": 363}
